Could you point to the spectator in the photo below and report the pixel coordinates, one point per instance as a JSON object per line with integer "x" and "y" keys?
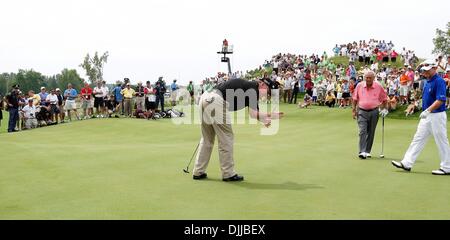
{"x": 71, "y": 95}
{"x": 160, "y": 91}
{"x": 43, "y": 95}
{"x": 52, "y": 101}
{"x": 392, "y": 102}
{"x": 345, "y": 93}
{"x": 105, "y": 92}
{"x": 190, "y": 89}
{"x": 128, "y": 94}
{"x": 150, "y": 98}
{"x": 86, "y": 99}
{"x": 307, "y": 101}
{"x": 99, "y": 99}
{"x": 330, "y": 99}
{"x": 173, "y": 93}
{"x": 140, "y": 96}
{"x": 110, "y": 104}
{"x": 12, "y": 103}
{"x": 287, "y": 88}
{"x": 61, "y": 104}
{"x": 404, "y": 87}
{"x": 295, "y": 91}
{"x": 29, "y": 113}
{"x": 35, "y": 97}
{"x": 309, "y": 84}
{"x": 118, "y": 98}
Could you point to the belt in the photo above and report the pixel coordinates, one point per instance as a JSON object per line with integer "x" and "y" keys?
{"x": 370, "y": 110}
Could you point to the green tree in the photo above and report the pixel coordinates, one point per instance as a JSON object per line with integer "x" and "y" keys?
{"x": 30, "y": 80}
{"x": 52, "y": 82}
{"x": 69, "y": 76}
{"x": 442, "y": 41}
{"x": 7, "y": 80}
{"x": 94, "y": 66}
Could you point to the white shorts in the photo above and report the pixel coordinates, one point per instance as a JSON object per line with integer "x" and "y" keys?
{"x": 70, "y": 105}
{"x": 404, "y": 90}
{"x": 339, "y": 96}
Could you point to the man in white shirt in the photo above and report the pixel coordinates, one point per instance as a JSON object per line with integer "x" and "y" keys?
{"x": 29, "y": 114}
{"x": 53, "y": 108}
{"x": 99, "y": 99}
{"x": 105, "y": 91}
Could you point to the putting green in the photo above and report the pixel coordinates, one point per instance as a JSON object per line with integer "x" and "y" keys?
{"x": 132, "y": 169}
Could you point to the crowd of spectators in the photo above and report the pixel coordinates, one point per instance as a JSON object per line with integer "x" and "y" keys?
{"x": 325, "y": 83}
{"x": 30, "y": 110}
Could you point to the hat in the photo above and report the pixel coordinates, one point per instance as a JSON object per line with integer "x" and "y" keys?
{"x": 42, "y": 88}
{"x": 58, "y": 89}
{"x": 140, "y": 82}
{"x": 428, "y": 64}
{"x": 128, "y": 84}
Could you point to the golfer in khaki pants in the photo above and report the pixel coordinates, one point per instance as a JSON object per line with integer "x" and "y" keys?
{"x": 216, "y": 121}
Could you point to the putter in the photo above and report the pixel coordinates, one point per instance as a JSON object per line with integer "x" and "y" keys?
{"x": 187, "y": 167}
{"x": 382, "y": 140}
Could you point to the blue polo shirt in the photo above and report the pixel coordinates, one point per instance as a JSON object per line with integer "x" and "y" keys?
{"x": 72, "y": 94}
{"x": 433, "y": 90}
{"x": 117, "y": 94}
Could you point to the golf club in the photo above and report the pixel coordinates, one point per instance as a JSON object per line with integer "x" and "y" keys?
{"x": 382, "y": 139}
{"x": 187, "y": 167}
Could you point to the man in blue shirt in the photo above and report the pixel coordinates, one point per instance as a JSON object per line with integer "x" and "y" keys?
{"x": 118, "y": 98}
{"x": 173, "y": 93}
{"x": 433, "y": 121}
{"x": 70, "y": 94}
{"x": 43, "y": 95}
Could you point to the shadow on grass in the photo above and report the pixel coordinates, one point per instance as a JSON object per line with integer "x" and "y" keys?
{"x": 274, "y": 186}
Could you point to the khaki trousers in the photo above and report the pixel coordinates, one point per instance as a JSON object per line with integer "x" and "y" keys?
{"x": 216, "y": 121}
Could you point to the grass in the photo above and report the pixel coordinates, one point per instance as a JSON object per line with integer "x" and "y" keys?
{"x": 132, "y": 169}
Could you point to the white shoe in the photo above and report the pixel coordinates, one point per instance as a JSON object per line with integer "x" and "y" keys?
{"x": 98, "y": 116}
{"x": 362, "y": 155}
{"x": 440, "y": 172}
{"x": 368, "y": 155}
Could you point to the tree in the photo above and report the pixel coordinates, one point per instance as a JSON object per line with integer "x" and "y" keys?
{"x": 69, "y": 76}
{"x": 7, "y": 80}
{"x": 442, "y": 41}
{"x": 94, "y": 66}
{"x": 30, "y": 80}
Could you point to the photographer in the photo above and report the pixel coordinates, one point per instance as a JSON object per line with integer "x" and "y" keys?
{"x": 53, "y": 108}
{"x": 12, "y": 103}
{"x": 29, "y": 113}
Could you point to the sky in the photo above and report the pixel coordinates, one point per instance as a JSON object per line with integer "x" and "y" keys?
{"x": 179, "y": 39}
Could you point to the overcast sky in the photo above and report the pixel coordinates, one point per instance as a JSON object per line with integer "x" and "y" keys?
{"x": 179, "y": 39}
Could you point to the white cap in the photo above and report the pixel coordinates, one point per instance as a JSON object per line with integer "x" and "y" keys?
{"x": 42, "y": 88}
{"x": 428, "y": 64}
{"x": 58, "y": 89}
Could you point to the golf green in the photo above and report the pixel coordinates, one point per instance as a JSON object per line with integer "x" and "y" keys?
{"x": 132, "y": 169}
